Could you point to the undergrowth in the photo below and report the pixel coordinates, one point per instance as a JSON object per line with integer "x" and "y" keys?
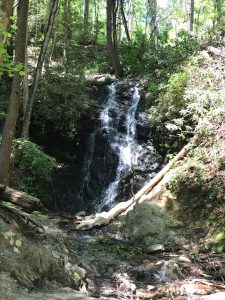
{"x": 199, "y": 180}
{"x": 33, "y": 170}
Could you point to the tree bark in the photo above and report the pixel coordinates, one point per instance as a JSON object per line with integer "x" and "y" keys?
{"x": 16, "y": 93}
{"x": 19, "y": 198}
{"x": 124, "y": 21}
{"x": 105, "y": 218}
{"x": 38, "y": 72}
{"x": 192, "y": 15}
{"x": 86, "y": 18}
{"x": 112, "y": 43}
{"x": 153, "y": 15}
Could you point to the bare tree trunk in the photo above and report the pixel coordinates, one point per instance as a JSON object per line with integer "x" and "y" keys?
{"x": 192, "y": 15}
{"x": 153, "y": 15}
{"x": 25, "y": 83}
{"x": 112, "y": 43}
{"x": 124, "y": 21}
{"x": 96, "y": 26}
{"x": 41, "y": 59}
{"x": 16, "y": 93}
{"x": 86, "y": 18}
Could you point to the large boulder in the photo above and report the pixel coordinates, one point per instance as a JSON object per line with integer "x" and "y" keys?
{"x": 149, "y": 224}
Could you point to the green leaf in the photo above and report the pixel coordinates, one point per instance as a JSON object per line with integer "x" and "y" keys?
{"x": 22, "y": 73}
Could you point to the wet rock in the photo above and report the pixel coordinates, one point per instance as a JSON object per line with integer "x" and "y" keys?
{"x": 143, "y": 127}
{"x": 81, "y": 214}
{"x": 170, "y": 271}
{"x": 184, "y": 259}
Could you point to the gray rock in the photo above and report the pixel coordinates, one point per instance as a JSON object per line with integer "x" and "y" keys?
{"x": 157, "y": 248}
{"x": 184, "y": 259}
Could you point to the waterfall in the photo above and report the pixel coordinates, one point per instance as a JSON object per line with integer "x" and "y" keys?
{"x": 112, "y": 147}
{"x": 123, "y": 144}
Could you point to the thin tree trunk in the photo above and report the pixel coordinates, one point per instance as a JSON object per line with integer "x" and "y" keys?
{"x": 96, "y": 27}
{"x": 25, "y": 84}
{"x": 41, "y": 59}
{"x": 125, "y": 21}
{"x": 192, "y": 15}
{"x": 112, "y": 43}
{"x": 16, "y": 93}
{"x": 153, "y": 15}
{"x": 86, "y": 18}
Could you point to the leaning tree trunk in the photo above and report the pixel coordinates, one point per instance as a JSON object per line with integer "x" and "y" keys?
{"x": 112, "y": 44}
{"x": 16, "y": 93}
{"x": 124, "y": 20}
{"x": 41, "y": 59}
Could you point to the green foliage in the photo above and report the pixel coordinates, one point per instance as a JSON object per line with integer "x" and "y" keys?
{"x": 222, "y": 163}
{"x": 33, "y": 159}
{"x": 142, "y": 56}
{"x": 61, "y": 102}
{"x": 7, "y": 64}
{"x": 218, "y": 242}
{"x": 33, "y": 170}
{"x": 124, "y": 250}
{"x": 175, "y": 86}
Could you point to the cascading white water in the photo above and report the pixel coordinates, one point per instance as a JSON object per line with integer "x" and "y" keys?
{"x": 123, "y": 143}
{"x": 111, "y": 148}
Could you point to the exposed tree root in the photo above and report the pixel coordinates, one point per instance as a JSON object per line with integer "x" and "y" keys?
{"x": 105, "y": 218}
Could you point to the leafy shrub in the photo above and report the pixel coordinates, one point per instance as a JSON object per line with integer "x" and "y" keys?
{"x": 61, "y": 102}
{"x": 33, "y": 170}
{"x": 33, "y": 159}
{"x": 142, "y": 56}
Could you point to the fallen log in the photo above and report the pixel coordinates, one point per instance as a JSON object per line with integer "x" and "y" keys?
{"x": 19, "y": 198}
{"x": 105, "y": 218}
{"x": 17, "y": 218}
